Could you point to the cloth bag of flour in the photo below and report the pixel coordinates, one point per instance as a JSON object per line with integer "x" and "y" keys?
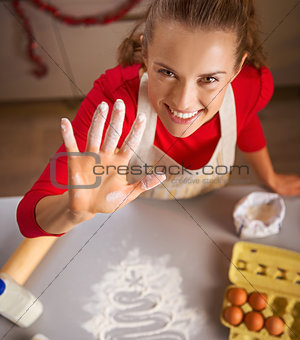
{"x": 258, "y": 214}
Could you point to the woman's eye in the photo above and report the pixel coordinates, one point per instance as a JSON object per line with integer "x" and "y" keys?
{"x": 166, "y": 73}
{"x": 209, "y": 80}
{"x": 170, "y": 74}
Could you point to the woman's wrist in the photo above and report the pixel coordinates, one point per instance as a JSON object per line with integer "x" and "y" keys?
{"x": 262, "y": 165}
{"x": 75, "y": 217}
{"x": 54, "y": 216}
{"x": 270, "y": 180}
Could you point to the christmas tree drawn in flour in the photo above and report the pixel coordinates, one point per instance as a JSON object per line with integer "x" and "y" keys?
{"x": 141, "y": 299}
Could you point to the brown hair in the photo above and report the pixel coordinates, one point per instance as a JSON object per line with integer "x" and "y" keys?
{"x": 228, "y": 15}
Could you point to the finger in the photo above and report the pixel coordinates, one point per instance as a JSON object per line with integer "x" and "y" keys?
{"x": 134, "y": 138}
{"x": 152, "y": 180}
{"x": 147, "y": 183}
{"x": 132, "y": 191}
{"x": 96, "y": 129}
{"x": 114, "y": 130}
{"x": 68, "y": 135}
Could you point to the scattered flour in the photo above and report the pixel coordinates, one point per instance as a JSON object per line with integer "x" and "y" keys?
{"x": 62, "y": 125}
{"x": 103, "y": 107}
{"x": 115, "y": 129}
{"x": 115, "y": 196}
{"x": 140, "y": 299}
{"x": 76, "y": 178}
{"x": 77, "y": 194}
{"x": 147, "y": 180}
{"x": 135, "y": 136}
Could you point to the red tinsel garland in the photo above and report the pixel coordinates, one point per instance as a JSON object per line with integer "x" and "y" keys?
{"x": 102, "y": 19}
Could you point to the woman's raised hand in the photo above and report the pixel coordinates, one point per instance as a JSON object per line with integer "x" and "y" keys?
{"x": 114, "y": 190}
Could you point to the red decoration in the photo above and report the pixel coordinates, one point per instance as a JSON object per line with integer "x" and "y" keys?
{"x": 103, "y": 19}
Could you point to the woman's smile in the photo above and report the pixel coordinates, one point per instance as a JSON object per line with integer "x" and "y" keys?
{"x": 180, "y": 117}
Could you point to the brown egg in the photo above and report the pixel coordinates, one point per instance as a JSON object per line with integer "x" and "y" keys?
{"x": 274, "y": 325}
{"x": 257, "y": 300}
{"x": 254, "y": 321}
{"x": 233, "y": 315}
{"x": 237, "y": 296}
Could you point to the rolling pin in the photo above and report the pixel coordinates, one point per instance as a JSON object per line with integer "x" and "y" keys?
{"x": 27, "y": 257}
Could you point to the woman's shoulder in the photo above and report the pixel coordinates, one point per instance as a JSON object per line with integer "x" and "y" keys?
{"x": 115, "y": 83}
{"x": 253, "y": 88}
{"x": 117, "y": 77}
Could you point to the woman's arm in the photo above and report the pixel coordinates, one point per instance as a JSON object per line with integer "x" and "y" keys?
{"x": 58, "y": 214}
{"x": 110, "y": 84}
{"x": 54, "y": 216}
{"x": 288, "y": 185}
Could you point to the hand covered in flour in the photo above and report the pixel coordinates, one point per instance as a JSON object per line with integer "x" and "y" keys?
{"x": 286, "y": 184}
{"x": 114, "y": 190}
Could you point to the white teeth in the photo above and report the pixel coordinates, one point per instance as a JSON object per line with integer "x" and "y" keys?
{"x": 183, "y": 115}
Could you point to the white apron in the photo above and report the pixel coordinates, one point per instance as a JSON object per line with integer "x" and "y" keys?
{"x": 187, "y": 183}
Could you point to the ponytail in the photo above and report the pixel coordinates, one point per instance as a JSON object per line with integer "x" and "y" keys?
{"x": 254, "y": 48}
{"x": 130, "y": 50}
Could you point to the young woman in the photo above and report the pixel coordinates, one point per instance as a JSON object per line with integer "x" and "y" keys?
{"x": 190, "y": 81}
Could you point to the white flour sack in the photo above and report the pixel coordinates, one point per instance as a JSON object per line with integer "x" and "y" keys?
{"x": 258, "y": 214}
{"x": 139, "y": 299}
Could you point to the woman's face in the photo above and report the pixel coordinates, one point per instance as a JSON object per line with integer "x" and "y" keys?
{"x": 188, "y": 72}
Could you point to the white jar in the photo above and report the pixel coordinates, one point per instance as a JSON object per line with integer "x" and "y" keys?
{"x": 17, "y": 304}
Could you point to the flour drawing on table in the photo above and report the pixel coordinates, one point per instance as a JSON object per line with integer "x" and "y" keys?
{"x": 141, "y": 298}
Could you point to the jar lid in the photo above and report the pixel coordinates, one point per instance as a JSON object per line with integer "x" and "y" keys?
{"x": 2, "y": 286}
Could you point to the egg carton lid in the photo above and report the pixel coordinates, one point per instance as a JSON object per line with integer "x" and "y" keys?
{"x": 250, "y": 258}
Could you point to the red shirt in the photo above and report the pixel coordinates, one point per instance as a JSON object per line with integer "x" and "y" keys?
{"x": 252, "y": 89}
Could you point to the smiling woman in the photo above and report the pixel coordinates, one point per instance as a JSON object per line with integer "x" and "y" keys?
{"x": 194, "y": 70}
{"x": 200, "y": 72}
{"x": 181, "y": 89}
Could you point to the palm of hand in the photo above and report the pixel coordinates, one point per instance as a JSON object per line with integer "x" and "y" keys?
{"x": 114, "y": 191}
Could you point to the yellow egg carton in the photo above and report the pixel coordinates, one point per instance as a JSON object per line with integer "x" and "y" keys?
{"x": 275, "y": 272}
